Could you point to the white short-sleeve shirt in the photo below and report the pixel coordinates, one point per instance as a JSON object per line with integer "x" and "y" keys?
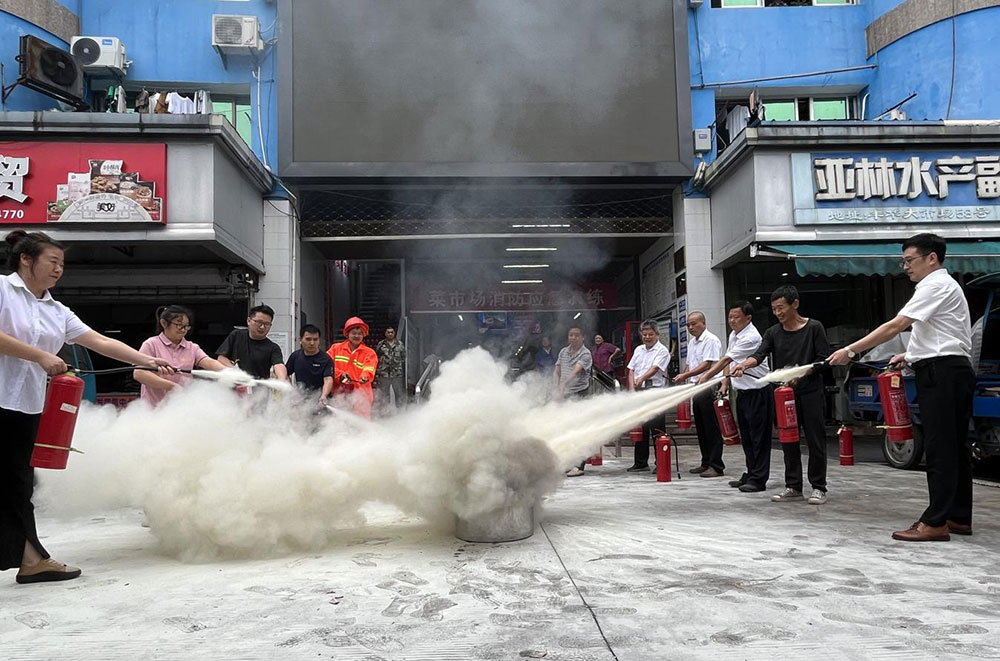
{"x": 940, "y": 314}
{"x": 44, "y": 323}
{"x": 643, "y": 360}
{"x": 742, "y": 345}
{"x": 700, "y": 349}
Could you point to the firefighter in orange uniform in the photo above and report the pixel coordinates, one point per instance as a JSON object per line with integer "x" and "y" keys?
{"x": 354, "y": 368}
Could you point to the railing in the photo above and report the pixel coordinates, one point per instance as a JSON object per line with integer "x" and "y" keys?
{"x": 432, "y": 364}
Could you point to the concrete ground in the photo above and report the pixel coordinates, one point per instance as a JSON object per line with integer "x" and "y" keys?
{"x": 621, "y": 567}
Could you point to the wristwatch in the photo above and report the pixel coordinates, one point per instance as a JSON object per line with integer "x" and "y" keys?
{"x": 850, "y": 353}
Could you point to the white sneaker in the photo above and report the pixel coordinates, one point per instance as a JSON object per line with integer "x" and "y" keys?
{"x": 574, "y": 472}
{"x": 786, "y": 495}
{"x": 817, "y": 498}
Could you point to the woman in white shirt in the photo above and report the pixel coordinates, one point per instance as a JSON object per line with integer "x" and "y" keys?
{"x": 33, "y": 327}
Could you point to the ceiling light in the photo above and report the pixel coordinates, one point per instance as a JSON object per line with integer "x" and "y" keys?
{"x": 535, "y": 225}
{"x": 757, "y": 298}
{"x": 461, "y": 318}
{"x": 577, "y": 315}
{"x": 526, "y": 266}
{"x": 531, "y": 249}
{"x": 520, "y": 282}
{"x": 784, "y": 275}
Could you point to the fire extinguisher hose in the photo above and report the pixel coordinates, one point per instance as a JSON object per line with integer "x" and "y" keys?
{"x": 57, "y": 447}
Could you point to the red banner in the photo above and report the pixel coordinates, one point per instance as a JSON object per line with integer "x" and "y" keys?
{"x": 513, "y": 298}
{"x": 82, "y": 182}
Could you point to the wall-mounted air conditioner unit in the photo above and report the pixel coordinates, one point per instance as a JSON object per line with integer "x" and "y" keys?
{"x": 99, "y": 54}
{"x": 236, "y": 35}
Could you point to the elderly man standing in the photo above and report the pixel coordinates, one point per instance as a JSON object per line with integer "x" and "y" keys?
{"x": 754, "y": 399}
{"x": 572, "y": 375}
{"x": 390, "y": 378}
{"x": 938, "y": 352}
{"x": 648, "y": 369}
{"x": 704, "y": 348}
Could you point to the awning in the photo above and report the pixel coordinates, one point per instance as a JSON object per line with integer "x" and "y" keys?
{"x": 825, "y": 259}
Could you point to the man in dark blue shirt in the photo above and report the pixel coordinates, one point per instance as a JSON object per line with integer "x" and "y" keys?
{"x": 311, "y": 368}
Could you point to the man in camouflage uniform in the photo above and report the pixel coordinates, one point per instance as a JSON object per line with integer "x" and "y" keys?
{"x": 390, "y": 381}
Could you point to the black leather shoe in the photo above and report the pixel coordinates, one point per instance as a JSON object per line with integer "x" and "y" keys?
{"x": 636, "y": 468}
{"x": 736, "y": 483}
{"x": 750, "y": 488}
{"x": 697, "y": 470}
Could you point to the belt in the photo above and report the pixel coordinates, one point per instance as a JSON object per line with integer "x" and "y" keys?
{"x": 927, "y": 362}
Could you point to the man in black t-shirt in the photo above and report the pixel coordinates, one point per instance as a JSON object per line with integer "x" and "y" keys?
{"x": 311, "y": 368}
{"x": 250, "y": 350}
{"x": 796, "y": 340}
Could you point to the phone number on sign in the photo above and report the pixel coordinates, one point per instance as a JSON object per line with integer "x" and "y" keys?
{"x": 11, "y": 214}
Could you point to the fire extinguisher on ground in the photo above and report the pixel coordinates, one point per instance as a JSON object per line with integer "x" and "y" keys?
{"x": 895, "y": 409}
{"x": 727, "y": 422}
{"x": 786, "y": 415}
{"x": 54, "y": 440}
{"x": 846, "y": 437}
{"x": 663, "y": 444}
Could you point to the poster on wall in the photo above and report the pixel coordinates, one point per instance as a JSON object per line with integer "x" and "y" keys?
{"x": 82, "y": 182}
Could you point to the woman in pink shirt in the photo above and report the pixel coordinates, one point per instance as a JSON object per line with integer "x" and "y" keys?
{"x": 174, "y": 322}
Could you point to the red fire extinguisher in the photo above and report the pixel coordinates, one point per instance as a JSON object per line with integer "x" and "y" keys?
{"x": 636, "y": 435}
{"x": 684, "y": 415}
{"x": 788, "y": 419}
{"x": 596, "y": 460}
{"x": 727, "y": 423}
{"x": 55, "y": 429}
{"x": 846, "y": 437}
{"x": 895, "y": 410}
{"x": 663, "y": 443}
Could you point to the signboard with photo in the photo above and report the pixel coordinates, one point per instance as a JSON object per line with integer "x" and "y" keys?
{"x": 46, "y": 182}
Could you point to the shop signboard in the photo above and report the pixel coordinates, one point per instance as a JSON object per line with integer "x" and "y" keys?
{"x": 520, "y": 298}
{"x": 82, "y": 182}
{"x": 896, "y": 187}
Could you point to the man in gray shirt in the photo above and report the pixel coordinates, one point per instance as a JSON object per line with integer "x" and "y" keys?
{"x": 572, "y": 375}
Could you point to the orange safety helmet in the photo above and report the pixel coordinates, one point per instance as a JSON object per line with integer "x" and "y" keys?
{"x": 355, "y": 321}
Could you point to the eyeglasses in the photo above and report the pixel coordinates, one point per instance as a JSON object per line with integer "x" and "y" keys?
{"x": 906, "y": 261}
{"x": 261, "y": 324}
{"x": 183, "y": 327}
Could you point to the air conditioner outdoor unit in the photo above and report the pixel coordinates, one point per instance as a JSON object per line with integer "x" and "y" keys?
{"x": 236, "y": 34}
{"x": 99, "y": 54}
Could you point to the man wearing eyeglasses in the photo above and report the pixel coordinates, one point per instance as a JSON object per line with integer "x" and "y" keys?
{"x": 251, "y": 351}
{"x": 939, "y": 353}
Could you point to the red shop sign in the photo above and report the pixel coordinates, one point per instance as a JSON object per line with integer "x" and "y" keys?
{"x": 82, "y": 182}
{"x": 590, "y": 296}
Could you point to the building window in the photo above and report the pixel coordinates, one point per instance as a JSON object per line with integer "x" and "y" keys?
{"x": 808, "y": 109}
{"x": 237, "y": 112}
{"x": 778, "y": 3}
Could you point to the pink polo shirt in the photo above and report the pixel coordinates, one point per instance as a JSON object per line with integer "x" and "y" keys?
{"x": 183, "y": 356}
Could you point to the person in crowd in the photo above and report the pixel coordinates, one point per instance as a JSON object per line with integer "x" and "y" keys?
{"x": 797, "y": 340}
{"x": 545, "y": 357}
{"x": 33, "y": 327}
{"x": 310, "y": 368}
{"x": 172, "y": 345}
{"x": 704, "y": 348}
{"x": 604, "y": 353}
{"x": 754, "y": 399}
{"x": 390, "y": 378}
{"x": 354, "y": 366}
{"x": 250, "y": 350}
{"x": 648, "y": 369}
{"x": 939, "y": 353}
{"x": 571, "y": 375}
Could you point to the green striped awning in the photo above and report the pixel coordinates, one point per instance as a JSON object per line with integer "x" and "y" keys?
{"x": 883, "y": 258}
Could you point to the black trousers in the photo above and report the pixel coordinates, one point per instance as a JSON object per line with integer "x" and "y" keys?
{"x": 648, "y": 435}
{"x": 945, "y": 387}
{"x": 755, "y": 417}
{"x": 17, "y": 483}
{"x": 810, "y": 409}
{"x": 707, "y": 427}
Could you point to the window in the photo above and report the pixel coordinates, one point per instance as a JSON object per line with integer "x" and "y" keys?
{"x": 808, "y": 109}
{"x": 236, "y": 113}
{"x": 778, "y": 3}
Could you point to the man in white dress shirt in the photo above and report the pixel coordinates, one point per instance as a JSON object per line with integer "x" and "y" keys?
{"x": 704, "y": 348}
{"x": 938, "y": 352}
{"x": 648, "y": 369}
{"x": 754, "y": 399}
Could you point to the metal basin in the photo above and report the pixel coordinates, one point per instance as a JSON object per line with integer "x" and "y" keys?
{"x": 503, "y": 525}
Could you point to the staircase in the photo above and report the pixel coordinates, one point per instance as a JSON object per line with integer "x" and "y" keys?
{"x": 379, "y": 298}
